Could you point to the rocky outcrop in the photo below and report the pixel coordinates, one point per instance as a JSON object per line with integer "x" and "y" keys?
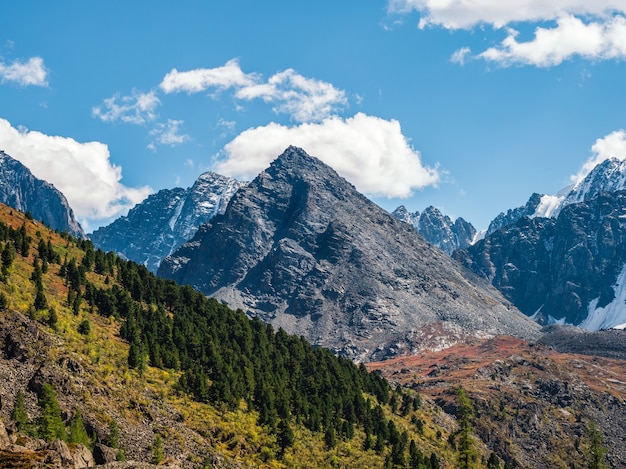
{"x": 438, "y": 229}
{"x": 157, "y": 226}
{"x": 302, "y": 249}
{"x": 555, "y": 268}
{"x": 21, "y": 190}
{"x": 513, "y": 215}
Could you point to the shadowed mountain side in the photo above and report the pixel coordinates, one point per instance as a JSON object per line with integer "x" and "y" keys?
{"x": 302, "y": 249}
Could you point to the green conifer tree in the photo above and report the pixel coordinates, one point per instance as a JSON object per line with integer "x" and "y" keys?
{"x": 19, "y": 414}
{"x": 50, "y": 423}
{"x": 78, "y": 433}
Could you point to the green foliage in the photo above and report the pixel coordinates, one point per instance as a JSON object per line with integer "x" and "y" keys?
{"x": 84, "y": 327}
{"x": 4, "y": 301}
{"x": 465, "y": 446}
{"x": 78, "y": 434}
{"x": 157, "y": 449}
{"x": 493, "y": 462}
{"x": 19, "y": 414}
{"x": 596, "y": 452}
{"x": 50, "y": 423}
{"x": 40, "y": 302}
{"x": 330, "y": 438}
{"x": 113, "y": 439}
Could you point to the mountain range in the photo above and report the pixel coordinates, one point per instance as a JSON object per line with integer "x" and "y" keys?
{"x": 20, "y": 189}
{"x": 299, "y": 247}
{"x": 562, "y": 259}
{"x": 438, "y": 229}
{"x": 154, "y": 228}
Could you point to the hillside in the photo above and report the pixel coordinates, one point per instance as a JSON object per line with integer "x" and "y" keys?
{"x": 160, "y": 373}
{"x": 536, "y": 407}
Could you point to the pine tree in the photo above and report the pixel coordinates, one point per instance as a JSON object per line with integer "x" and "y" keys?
{"x": 19, "y": 414}
{"x": 465, "y": 413}
{"x": 113, "y": 440}
{"x": 50, "y": 424}
{"x": 157, "y": 449}
{"x": 596, "y": 452}
{"x": 493, "y": 462}
{"x": 40, "y": 302}
{"x": 78, "y": 434}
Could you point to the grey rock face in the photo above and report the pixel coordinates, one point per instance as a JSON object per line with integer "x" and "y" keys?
{"x": 438, "y": 229}
{"x": 20, "y": 189}
{"x": 556, "y": 267}
{"x": 302, "y": 249}
{"x": 154, "y": 228}
{"x": 513, "y": 215}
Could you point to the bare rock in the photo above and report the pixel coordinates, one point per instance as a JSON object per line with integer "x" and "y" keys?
{"x": 83, "y": 457}
{"x": 104, "y": 454}
{"x": 5, "y": 441}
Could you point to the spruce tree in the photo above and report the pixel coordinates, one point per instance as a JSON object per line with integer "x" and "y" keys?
{"x": 19, "y": 414}
{"x": 50, "y": 423}
{"x": 78, "y": 433}
{"x": 465, "y": 413}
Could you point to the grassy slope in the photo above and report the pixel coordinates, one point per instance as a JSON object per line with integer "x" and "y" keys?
{"x": 93, "y": 374}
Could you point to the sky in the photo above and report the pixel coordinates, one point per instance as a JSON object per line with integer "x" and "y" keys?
{"x": 468, "y": 106}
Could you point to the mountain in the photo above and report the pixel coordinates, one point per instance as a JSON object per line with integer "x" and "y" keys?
{"x": 438, "y": 229}
{"x": 20, "y": 189}
{"x": 569, "y": 269}
{"x": 608, "y": 176}
{"x": 299, "y": 247}
{"x": 157, "y": 226}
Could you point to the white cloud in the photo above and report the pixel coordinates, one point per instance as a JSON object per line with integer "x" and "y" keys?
{"x": 368, "y": 151}
{"x": 611, "y": 146}
{"x": 593, "y": 30}
{"x": 459, "y": 56}
{"x": 92, "y": 186}
{"x": 201, "y": 79}
{"x": 571, "y": 37}
{"x": 304, "y": 99}
{"x": 456, "y": 14}
{"x": 168, "y": 133}
{"x": 138, "y": 108}
{"x": 32, "y": 72}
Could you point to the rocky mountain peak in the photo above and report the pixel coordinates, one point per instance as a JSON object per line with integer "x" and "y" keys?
{"x": 438, "y": 229}
{"x": 21, "y": 190}
{"x": 301, "y": 248}
{"x": 157, "y": 226}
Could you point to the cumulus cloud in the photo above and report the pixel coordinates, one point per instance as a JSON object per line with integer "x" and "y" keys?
{"x": 302, "y": 98}
{"x": 611, "y": 146}
{"x": 138, "y": 108}
{"x": 168, "y": 133}
{"x": 593, "y": 30}
{"x": 465, "y": 15}
{"x": 571, "y": 37}
{"x": 29, "y": 73}
{"x": 201, "y": 79}
{"x": 92, "y": 187}
{"x": 370, "y": 152}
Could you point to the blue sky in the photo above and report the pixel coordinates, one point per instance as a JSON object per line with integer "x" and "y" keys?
{"x": 470, "y": 108}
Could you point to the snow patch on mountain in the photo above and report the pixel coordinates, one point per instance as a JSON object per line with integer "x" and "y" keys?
{"x": 548, "y": 206}
{"x": 612, "y": 315}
